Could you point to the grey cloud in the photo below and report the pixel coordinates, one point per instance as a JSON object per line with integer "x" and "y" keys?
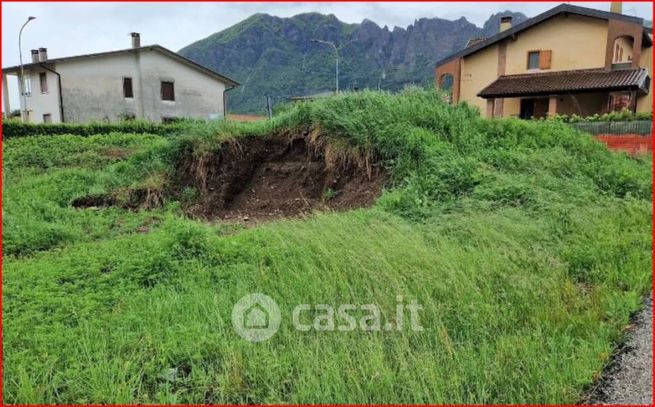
{"x": 74, "y": 28}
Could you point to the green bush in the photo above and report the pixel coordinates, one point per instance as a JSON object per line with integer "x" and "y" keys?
{"x": 17, "y": 128}
{"x": 625, "y": 115}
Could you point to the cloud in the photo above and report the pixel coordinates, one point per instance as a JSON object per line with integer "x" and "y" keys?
{"x": 76, "y": 28}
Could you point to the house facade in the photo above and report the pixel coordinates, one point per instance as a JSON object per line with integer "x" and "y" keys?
{"x": 149, "y": 82}
{"x": 568, "y": 60}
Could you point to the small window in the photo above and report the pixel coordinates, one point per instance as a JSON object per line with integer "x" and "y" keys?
{"x": 47, "y": 118}
{"x": 43, "y": 81}
{"x": 619, "y": 101}
{"x": 541, "y": 59}
{"x": 533, "y": 60}
{"x": 446, "y": 86}
{"x": 27, "y": 86}
{"x": 167, "y": 91}
{"x": 446, "y": 82}
{"x": 128, "y": 92}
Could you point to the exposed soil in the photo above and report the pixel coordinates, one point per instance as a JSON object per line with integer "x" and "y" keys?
{"x": 260, "y": 178}
{"x": 138, "y": 198}
{"x": 94, "y": 201}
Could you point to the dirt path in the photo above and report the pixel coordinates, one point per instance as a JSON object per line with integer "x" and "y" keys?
{"x": 628, "y": 379}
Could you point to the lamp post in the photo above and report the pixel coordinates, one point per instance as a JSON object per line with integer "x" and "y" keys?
{"x": 336, "y": 54}
{"x": 22, "y": 72}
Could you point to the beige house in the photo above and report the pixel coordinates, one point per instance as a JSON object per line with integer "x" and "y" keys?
{"x": 149, "y": 82}
{"x": 568, "y": 60}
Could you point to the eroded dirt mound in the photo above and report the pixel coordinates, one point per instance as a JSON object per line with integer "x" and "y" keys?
{"x": 268, "y": 177}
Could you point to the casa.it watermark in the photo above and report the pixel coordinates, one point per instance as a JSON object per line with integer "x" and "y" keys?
{"x": 256, "y": 317}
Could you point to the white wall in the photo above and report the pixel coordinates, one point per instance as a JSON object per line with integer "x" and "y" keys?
{"x": 39, "y": 103}
{"x": 197, "y": 94}
{"x": 93, "y": 89}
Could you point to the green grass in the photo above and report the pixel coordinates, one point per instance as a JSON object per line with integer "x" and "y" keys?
{"x": 527, "y": 244}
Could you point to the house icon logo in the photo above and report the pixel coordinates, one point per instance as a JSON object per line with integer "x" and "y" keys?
{"x": 256, "y": 317}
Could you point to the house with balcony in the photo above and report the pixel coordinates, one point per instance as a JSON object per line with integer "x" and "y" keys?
{"x": 143, "y": 82}
{"x": 567, "y": 60}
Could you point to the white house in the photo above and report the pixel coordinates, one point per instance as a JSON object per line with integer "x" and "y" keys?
{"x": 149, "y": 82}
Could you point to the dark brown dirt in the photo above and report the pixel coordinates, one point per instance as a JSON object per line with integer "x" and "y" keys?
{"x": 94, "y": 201}
{"x": 259, "y": 178}
{"x": 139, "y": 198}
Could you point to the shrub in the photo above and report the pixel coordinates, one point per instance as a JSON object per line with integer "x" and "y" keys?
{"x": 624, "y": 115}
{"x": 16, "y": 128}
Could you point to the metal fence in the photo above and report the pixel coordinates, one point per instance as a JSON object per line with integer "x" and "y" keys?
{"x": 642, "y": 127}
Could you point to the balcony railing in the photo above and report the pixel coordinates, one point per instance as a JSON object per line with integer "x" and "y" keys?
{"x": 641, "y": 127}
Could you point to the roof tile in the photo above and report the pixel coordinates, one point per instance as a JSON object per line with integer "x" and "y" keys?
{"x": 580, "y": 80}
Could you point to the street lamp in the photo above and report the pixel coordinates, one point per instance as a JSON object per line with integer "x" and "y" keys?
{"x": 336, "y": 53}
{"x": 22, "y": 72}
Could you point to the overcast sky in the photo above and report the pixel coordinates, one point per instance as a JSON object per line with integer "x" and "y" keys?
{"x": 78, "y": 28}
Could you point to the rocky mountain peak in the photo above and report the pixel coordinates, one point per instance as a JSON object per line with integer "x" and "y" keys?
{"x": 274, "y": 56}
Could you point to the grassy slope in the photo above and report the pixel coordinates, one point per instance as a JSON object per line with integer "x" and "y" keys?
{"x": 527, "y": 244}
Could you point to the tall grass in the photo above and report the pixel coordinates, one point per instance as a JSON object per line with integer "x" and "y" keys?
{"x": 527, "y": 244}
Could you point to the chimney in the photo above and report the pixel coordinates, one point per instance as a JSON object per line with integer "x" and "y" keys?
{"x": 43, "y": 54}
{"x": 136, "y": 40}
{"x": 505, "y": 23}
{"x": 35, "y": 56}
{"x": 616, "y": 7}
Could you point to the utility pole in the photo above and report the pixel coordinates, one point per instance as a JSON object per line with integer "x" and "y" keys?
{"x": 336, "y": 54}
{"x": 25, "y": 113}
{"x": 269, "y": 106}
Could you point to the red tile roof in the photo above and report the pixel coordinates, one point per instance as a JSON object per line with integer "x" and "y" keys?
{"x": 553, "y": 83}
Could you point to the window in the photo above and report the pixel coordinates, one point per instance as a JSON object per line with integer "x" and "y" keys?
{"x": 540, "y": 59}
{"x": 128, "y": 92}
{"x": 43, "y": 81}
{"x": 446, "y": 82}
{"x": 533, "y": 60}
{"x": 446, "y": 86}
{"x": 623, "y": 48}
{"x": 47, "y": 118}
{"x": 533, "y": 108}
{"x": 27, "y": 86}
{"x": 619, "y": 101}
{"x": 167, "y": 91}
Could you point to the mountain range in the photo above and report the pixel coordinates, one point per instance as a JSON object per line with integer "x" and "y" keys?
{"x": 274, "y": 56}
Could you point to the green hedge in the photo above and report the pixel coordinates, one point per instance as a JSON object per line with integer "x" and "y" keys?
{"x": 16, "y": 128}
{"x": 622, "y": 116}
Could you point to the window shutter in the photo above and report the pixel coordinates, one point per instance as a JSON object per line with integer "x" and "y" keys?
{"x": 167, "y": 91}
{"x": 128, "y": 91}
{"x": 545, "y": 57}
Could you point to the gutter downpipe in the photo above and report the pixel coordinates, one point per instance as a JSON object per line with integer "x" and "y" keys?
{"x": 61, "y": 97}
{"x": 225, "y": 101}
